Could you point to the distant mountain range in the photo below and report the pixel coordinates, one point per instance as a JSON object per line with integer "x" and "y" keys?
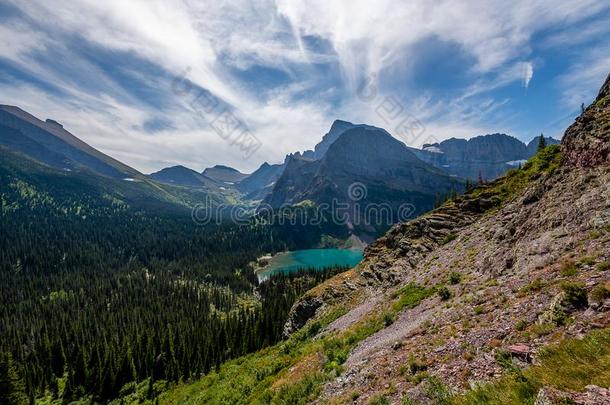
{"x": 387, "y": 170}
{"x": 45, "y": 158}
{"x": 382, "y": 168}
{"x": 486, "y": 156}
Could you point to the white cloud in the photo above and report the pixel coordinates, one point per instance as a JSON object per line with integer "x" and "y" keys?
{"x": 528, "y": 73}
{"x": 214, "y": 38}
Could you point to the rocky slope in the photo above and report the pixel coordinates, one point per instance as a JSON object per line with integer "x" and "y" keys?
{"x": 510, "y": 268}
{"x": 500, "y": 296}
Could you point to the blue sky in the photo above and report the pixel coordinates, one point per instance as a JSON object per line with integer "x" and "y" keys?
{"x": 285, "y": 70}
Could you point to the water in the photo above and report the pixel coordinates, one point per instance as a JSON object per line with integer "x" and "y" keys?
{"x": 287, "y": 262}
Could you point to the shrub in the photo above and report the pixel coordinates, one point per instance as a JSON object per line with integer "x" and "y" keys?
{"x": 504, "y": 360}
{"x": 438, "y": 392}
{"x": 521, "y": 325}
{"x": 568, "y": 268}
{"x": 379, "y": 399}
{"x": 587, "y": 261}
{"x": 388, "y": 319}
{"x": 604, "y": 266}
{"x": 535, "y": 285}
{"x": 444, "y": 293}
{"x": 599, "y": 293}
{"x": 411, "y": 295}
{"x": 455, "y": 277}
{"x": 416, "y": 366}
{"x": 314, "y": 329}
{"x": 449, "y": 238}
{"x": 576, "y": 294}
{"x": 479, "y": 309}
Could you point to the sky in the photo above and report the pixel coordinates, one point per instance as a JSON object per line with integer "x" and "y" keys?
{"x": 198, "y": 83}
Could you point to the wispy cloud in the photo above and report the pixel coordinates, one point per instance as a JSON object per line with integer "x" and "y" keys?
{"x": 287, "y": 68}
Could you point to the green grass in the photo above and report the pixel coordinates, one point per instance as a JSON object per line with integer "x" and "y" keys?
{"x": 411, "y": 295}
{"x": 449, "y": 238}
{"x": 568, "y": 268}
{"x": 604, "y": 266}
{"x": 570, "y": 365}
{"x": 545, "y": 161}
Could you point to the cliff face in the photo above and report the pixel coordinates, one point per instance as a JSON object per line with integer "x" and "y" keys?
{"x": 495, "y": 274}
{"x": 384, "y": 170}
{"x": 486, "y": 156}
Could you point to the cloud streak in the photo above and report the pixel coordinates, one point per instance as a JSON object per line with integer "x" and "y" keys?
{"x": 286, "y": 68}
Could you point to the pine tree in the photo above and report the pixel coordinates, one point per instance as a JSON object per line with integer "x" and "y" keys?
{"x": 12, "y": 387}
{"x": 541, "y": 142}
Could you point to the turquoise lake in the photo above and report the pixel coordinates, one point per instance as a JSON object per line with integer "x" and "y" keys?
{"x": 310, "y": 258}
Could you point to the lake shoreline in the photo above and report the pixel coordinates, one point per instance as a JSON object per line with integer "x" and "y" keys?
{"x": 320, "y": 259}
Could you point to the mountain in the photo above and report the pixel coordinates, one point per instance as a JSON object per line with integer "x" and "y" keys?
{"x": 486, "y": 156}
{"x": 182, "y": 176}
{"x": 532, "y": 146}
{"x": 44, "y": 157}
{"x": 40, "y": 185}
{"x": 367, "y": 161}
{"x": 224, "y": 174}
{"x": 261, "y": 182}
{"x": 48, "y": 142}
{"x": 500, "y": 296}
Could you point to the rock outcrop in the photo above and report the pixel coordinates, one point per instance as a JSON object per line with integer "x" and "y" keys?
{"x": 587, "y": 141}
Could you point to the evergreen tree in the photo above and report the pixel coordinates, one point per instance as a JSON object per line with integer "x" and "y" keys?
{"x": 12, "y": 387}
{"x": 541, "y": 142}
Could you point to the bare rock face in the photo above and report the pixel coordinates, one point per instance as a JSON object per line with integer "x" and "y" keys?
{"x": 303, "y": 310}
{"x": 587, "y": 142}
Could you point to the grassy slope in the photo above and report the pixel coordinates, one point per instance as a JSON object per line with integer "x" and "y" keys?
{"x": 570, "y": 365}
